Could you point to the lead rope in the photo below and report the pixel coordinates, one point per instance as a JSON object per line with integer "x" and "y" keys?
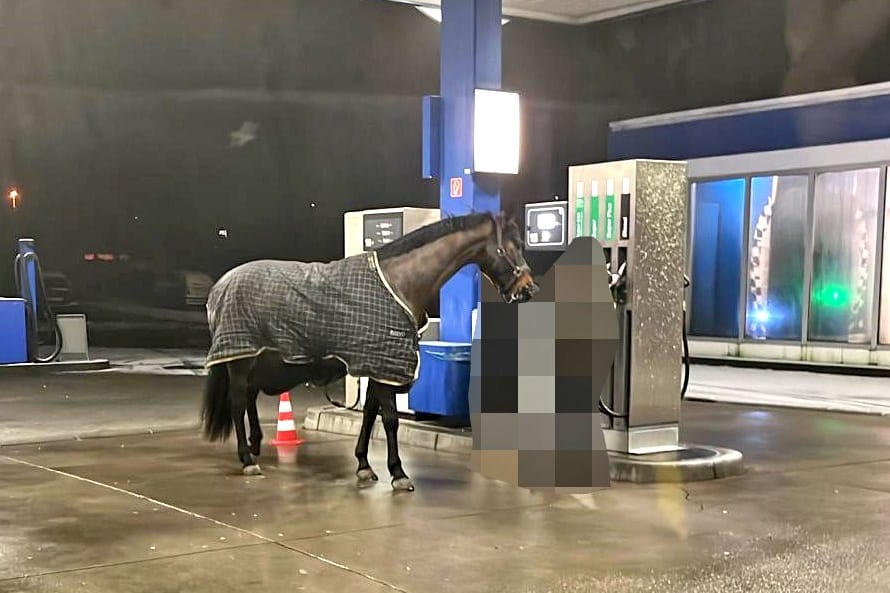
{"x": 342, "y": 406}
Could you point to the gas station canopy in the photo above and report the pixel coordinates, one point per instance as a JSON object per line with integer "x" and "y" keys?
{"x": 572, "y": 12}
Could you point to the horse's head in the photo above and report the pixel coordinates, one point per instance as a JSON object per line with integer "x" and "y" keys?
{"x": 503, "y": 263}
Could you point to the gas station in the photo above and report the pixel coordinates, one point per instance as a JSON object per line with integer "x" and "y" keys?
{"x": 471, "y": 137}
{"x": 703, "y": 263}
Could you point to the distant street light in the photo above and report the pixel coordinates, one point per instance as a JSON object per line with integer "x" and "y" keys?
{"x": 14, "y": 197}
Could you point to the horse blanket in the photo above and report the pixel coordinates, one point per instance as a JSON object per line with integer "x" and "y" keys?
{"x": 311, "y": 311}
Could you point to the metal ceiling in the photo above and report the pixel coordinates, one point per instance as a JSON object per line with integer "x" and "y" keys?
{"x": 573, "y": 12}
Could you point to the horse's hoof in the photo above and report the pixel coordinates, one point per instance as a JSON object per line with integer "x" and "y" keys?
{"x": 252, "y": 470}
{"x": 366, "y": 475}
{"x": 403, "y": 484}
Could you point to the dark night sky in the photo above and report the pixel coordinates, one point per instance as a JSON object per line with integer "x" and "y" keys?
{"x": 117, "y": 116}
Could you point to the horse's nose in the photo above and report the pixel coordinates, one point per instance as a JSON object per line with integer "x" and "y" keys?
{"x": 528, "y": 291}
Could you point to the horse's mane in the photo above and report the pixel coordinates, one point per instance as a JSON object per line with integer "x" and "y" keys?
{"x": 430, "y": 233}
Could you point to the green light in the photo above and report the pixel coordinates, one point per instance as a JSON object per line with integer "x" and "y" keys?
{"x": 832, "y": 295}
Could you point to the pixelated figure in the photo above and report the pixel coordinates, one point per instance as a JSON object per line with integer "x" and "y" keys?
{"x": 538, "y": 370}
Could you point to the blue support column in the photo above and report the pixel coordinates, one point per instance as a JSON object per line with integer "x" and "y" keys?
{"x": 470, "y": 59}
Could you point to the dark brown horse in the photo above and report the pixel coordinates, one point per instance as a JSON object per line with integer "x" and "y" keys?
{"x": 414, "y": 267}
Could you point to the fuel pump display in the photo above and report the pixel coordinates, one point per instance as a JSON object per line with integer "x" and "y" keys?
{"x": 380, "y": 229}
{"x": 546, "y": 225}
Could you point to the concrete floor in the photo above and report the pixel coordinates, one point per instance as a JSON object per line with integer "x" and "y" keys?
{"x": 66, "y": 406}
{"x": 166, "y": 512}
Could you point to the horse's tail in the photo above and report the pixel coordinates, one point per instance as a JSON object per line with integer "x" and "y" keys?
{"x": 217, "y": 410}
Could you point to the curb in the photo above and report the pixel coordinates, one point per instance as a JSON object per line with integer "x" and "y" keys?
{"x": 825, "y": 368}
{"x": 417, "y": 434}
{"x": 694, "y": 463}
{"x": 54, "y": 367}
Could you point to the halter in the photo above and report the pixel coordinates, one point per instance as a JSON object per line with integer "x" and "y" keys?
{"x": 517, "y": 270}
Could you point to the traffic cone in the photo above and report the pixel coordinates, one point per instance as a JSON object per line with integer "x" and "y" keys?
{"x": 287, "y": 430}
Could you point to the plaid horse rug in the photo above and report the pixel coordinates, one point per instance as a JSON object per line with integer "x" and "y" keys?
{"x": 311, "y": 311}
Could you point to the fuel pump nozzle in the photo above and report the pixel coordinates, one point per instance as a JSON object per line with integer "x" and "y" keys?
{"x": 618, "y": 282}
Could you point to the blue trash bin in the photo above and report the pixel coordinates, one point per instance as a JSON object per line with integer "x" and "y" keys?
{"x": 444, "y": 382}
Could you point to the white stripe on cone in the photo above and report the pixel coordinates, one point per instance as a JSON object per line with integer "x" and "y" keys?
{"x": 286, "y": 426}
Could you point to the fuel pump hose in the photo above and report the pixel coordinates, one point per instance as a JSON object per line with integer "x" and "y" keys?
{"x": 20, "y": 261}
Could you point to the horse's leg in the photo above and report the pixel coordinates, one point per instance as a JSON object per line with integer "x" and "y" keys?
{"x": 238, "y": 397}
{"x": 386, "y": 396}
{"x": 256, "y": 433}
{"x": 369, "y": 415}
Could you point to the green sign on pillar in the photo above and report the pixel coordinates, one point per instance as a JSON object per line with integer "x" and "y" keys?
{"x": 610, "y": 210}
{"x": 595, "y": 210}
{"x": 579, "y": 209}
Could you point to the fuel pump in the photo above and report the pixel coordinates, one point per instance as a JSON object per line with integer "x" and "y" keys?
{"x": 546, "y": 235}
{"x": 28, "y": 278}
{"x": 636, "y": 210}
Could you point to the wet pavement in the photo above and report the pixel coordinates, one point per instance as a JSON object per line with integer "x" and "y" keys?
{"x": 70, "y": 406}
{"x": 167, "y": 512}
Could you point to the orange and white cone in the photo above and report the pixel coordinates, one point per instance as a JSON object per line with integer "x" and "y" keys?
{"x": 287, "y": 430}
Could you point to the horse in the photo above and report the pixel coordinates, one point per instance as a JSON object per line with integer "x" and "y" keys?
{"x": 411, "y": 270}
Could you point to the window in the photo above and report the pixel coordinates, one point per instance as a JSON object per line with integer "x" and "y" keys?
{"x": 717, "y": 253}
{"x": 776, "y": 255}
{"x": 845, "y": 210}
